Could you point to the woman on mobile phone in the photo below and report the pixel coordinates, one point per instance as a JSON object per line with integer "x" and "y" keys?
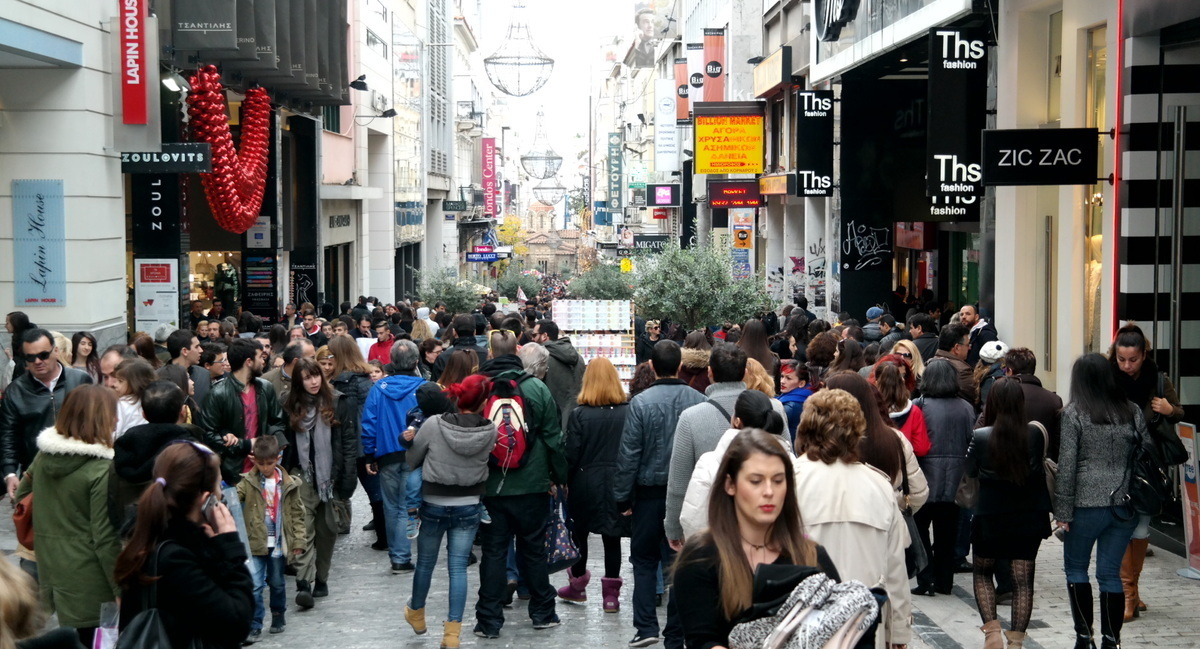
{"x": 184, "y": 557}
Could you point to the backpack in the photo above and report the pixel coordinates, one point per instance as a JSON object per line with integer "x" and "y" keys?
{"x": 506, "y": 409}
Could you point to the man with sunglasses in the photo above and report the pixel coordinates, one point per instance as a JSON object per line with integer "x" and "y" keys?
{"x": 31, "y": 403}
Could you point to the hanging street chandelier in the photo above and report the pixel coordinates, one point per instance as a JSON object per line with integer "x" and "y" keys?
{"x": 549, "y": 192}
{"x": 518, "y": 68}
{"x": 541, "y": 161}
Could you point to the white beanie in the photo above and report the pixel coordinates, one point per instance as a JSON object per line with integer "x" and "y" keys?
{"x": 993, "y": 351}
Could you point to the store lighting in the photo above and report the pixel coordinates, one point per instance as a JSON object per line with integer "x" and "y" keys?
{"x": 360, "y": 83}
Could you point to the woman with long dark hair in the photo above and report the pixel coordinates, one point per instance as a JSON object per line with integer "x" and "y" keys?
{"x": 323, "y": 446}
{"x": 84, "y": 356}
{"x": 351, "y": 376}
{"x": 144, "y": 346}
{"x": 1100, "y": 428}
{"x": 756, "y": 344}
{"x": 848, "y": 357}
{"x": 278, "y": 338}
{"x": 184, "y": 556}
{"x": 1150, "y": 389}
{"x": 820, "y": 352}
{"x": 1011, "y": 514}
{"x": 906, "y": 416}
{"x": 753, "y": 520}
{"x": 462, "y": 363}
{"x": 17, "y": 323}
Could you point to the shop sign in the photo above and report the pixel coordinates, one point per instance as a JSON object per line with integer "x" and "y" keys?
{"x": 454, "y": 206}
{"x": 773, "y": 72}
{"x": 1056, "y": 156}
{"x": 733, "y": 193}
{"x": 729, "y": 138}
{"x": 777, "y": 184}
{"x": 259, "y": 277}
{"x": 489, "y": 176}
{"x": 175, "y": 158}
{"x": 958, "y": 85}
{"x": 741, "y": 263}
{"x": 483, "y": 249}
{"x": 134, "y": 58}
{"x": 637, "y": 175}
{"x": 641, "y": 243}
{"x": 616, "y": 162}
{"x": 695, "y": 73}
{"x": 258, "y": 236}
{"x": 663, "y": 195}
{"x": 39, "y": 243}
{"x": 741, "y": 221}
{"x": 666, "y": 131}
{"x": 814, "y": 142}
{"x": 155, "y": 201}
{"x": 661, "y": 213}
{"x": 682, "y": 107}
{"x": 339, "y": 221}
{"x": 302, "y": 272}
{"x": 714, "y": 64}
{"x": 207, "y": 26}
{"x": 482, "y": 257}
{"x": 155, "y": 293}
{"x": 263, "y": 40}
{"x": 832, "y": 16}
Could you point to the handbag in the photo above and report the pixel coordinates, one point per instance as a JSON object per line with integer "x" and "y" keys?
{"x": 818, "y": 612}
{"x": 23, "y": 520}
{"x": 915, "y": 557}
{"x": 967, "y": 494}
{"x": 1149, "y": 485}
{"x": 146, "y": 630}
{"x": 1049, "y": 467}
{"x": 1162, "y": 431}
{"x": 561, "y": 552}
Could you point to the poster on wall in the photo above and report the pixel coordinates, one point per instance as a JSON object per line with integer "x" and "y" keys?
{"x": 655, "y": 25}
{"x": 155, "y": 293}
{"x": 39, "y": 243}
{"x": 958, "y": 80}
{"x": 1191, "y": 500}
{"x": 259, "y": 234}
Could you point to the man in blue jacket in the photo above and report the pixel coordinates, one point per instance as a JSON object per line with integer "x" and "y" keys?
{"x": 385, "y": 438}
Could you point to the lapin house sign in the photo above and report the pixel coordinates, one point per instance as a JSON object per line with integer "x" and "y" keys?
{"x": 489, "y": 176}
{"x": 133, "y": 61}
{"x": 957, "y": 106}
{"x": 814, "y": 142}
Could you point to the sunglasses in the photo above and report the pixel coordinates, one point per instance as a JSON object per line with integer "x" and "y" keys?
{"x": 904, "y": 354}
{"x": 42, "y": 356}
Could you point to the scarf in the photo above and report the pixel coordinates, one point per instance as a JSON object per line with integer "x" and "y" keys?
{"x": 315, "y": 448}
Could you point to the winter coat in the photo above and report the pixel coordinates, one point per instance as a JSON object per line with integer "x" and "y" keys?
{"x": 998, "y": 495}
{"x": 996, "y": 371}
{"x": 564, "y": 374}
{"x": 950, "y": 422}
{"x": 980, "y": 335}
{"x": 648, "y": 435}
{"x": 223, "y": 414}
{"x": 453, "y": 451}
{"x": 385, "y": 415}
{"x": 645, "y": 347}
{"x": 133, "y": 465}
{"x": 872, "y": 333}
{"x": 793, "y": 404}
{"x": 204, "y": 594}
{"x": 845, "y": 507}
{"x": 281, "y": 383}
{"x": 467, "y": 342}
{"x": 1144, "y": 388}
{"x": 381, "y": 351}
{"x": 693, "y": 515}
{"x": 546, "y": 463}
{"x": 202, "y": 382}
{"x": 254, "y": 511}
{"x": 593, "y": 444}
{"x": 966, "y": 377}
{"x": 27, "y": 409}
{"x": 1093, "y": 459}
{"x": 76, "y": 543}
{"x": 1041, "y": 405}
{"x": 918, "y": 488}
{"x": 694, "y": 369}
{"x": 889, "y": 341}
{"x": 910, "y": 421}
{"x": 927, "y": 344}
{"x": 346, "y": 448}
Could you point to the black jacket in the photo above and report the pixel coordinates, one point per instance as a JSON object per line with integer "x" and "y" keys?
{"x": 134, "y": 454}
{"x": 927, "y": 344}
{"x": 204, "y": 593}
{"x": 347, "y": 446}
{"x": 998, "y": 495}
{"x": 645, "y": 347}
{"x": 222, "y": 414}
{"x": 985, "y": 334}
{"x": 467, "y": 342}
{"x": 593, "y": 443}
{"x": 29, "y": 408}
{"x": 60, "y": 638}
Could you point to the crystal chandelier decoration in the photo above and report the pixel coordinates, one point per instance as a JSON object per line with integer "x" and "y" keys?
{"x": 549, "y": 192}
{"x": 518, "y": 68}
{"x": 541, "y": 161}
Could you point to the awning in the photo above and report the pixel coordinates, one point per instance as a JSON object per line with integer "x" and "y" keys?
{"x": 22, "y": 46}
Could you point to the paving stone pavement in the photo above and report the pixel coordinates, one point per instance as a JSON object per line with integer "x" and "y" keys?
{"x": 365, "y": 608}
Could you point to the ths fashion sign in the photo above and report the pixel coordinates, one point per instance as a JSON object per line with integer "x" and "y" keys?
{"x": 814, "y": 142}
{"x": 958, "y": 106}
{"x": 39, "y": 243}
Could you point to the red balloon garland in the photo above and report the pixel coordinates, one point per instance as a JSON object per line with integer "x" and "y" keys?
{"x": 235, "y": 187}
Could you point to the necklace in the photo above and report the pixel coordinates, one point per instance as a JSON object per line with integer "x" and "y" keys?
{"x": 754, "y": 546}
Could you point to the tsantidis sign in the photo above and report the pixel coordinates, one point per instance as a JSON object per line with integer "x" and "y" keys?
{"x": 728, "y": 137}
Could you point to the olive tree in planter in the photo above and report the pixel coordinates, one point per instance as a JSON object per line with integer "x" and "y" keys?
{"x": 695, "y": 287}
{"x": 442, "y": 285}
{"x": 602, "y": 282}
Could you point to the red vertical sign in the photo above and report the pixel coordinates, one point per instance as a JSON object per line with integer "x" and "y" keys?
{"x": 489, "y": 176}
{"x": 714, "y": 64}
{"x": 132, "y": 17}
{"x": 681, "y": 90}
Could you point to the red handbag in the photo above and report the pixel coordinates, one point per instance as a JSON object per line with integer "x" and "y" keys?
{"x": 23, "y": 519}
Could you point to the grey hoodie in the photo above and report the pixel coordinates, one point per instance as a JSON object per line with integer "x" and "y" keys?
{"x": 453, "y": 451}
{"x": 564, "y": 374}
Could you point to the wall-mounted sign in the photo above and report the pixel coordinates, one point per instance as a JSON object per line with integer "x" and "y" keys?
{"x": 259, "y": 234}
{"x": 483, "y": 257}
{"x": 663, "y": 195}
{"x": 776, "y": 184}
{"x": 1054, "y": 156}
{"x": 489, "y": 176}
{"x": 454, "y": 206}
{"x": 339, "y": 221}
{"x": 814, "y": 142}
{"x": 155, "y": 292}
{"x": 156, "y": 204}
{"x": 483, "y": 249}
{"x": 641, "y": 243}
{"x": 132, "y": 21}
{"x": 773, "y": 72}
{"x": 39, "y": 243}
{"x": 729, "y": 138}
{"x": 733, "y": 193}
{"x": 958, "y": 83}
{"x": 175, "y": 158}
{"x": 666, "y": 131}
{"x": 832, "y": 16}
{"x": 714, "y": 64}
{"x": 661, "y": 213}
{"x": 616, "y": 171}
{"x": 204, "y": 26}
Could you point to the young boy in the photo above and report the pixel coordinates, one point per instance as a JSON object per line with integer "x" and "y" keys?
{"x": 274, "y": 523}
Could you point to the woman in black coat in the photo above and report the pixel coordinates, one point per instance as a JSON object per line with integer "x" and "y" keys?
{"x": 593, "y": 441}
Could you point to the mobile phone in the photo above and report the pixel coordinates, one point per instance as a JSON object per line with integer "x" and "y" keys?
{"x": 208, "y": 509}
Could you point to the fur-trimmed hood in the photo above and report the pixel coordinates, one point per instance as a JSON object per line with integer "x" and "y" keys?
{"x": 696, "y": 359}
{"x": 65, "y": 455}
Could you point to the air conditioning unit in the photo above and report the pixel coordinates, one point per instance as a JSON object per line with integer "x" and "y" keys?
{"x": 379, "y": 101}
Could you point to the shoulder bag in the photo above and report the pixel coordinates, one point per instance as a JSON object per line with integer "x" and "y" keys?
{"x": 1149, "y": 485}
{"x": 967, "y": 495}
{"x": 23, "y": 520}
{"x": 561, "y": 552}
{"x": 1162, "y": 431}
{"x": 1050, "y": 467}
{"x": 915, "y": 557}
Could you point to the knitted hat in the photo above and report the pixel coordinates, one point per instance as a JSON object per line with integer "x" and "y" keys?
{"x": 874, "y": 312}
{"x": 993, "y": 351}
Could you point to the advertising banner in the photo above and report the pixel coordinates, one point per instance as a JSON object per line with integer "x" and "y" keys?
{"x": 666, "y": 131}
{"x": 714, "y": 64}
{"x": 209, "y": 26}
{"x": 728, "y": 143}
{"x": 482, "y": 257}
{"x": 39, "y": 243}
{"x": 695, "y": 73}
{"x": 259, "y": 273}
{"x": 489, "y": 176}
{"x": 246, "y": 36}
{"x": 682, "y": 105}
{"x": 1040, "y": 156}
{"x": 155, "y": 293}
{"x": 742, "y": 268}
{"x": 264, "y": 39}
{"x": 663, "y": 195}
{"x": 1191, "y": 500}
{"x": 615, "y": 172}
{"x": 644, "y": 243}
{"x": 134, "y": 60}
{"x": 302, "y": 277}
{"x": 814, "y": 142}
{"x": 655, "y": 24}
{"x": 958, "y": 108}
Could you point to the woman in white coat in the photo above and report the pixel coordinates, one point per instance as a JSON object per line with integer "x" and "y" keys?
{"x": 849, "y": 507}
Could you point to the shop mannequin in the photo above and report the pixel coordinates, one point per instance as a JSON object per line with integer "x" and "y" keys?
{"x": 227, "y": 285}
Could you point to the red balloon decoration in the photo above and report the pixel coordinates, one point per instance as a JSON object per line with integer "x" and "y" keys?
{"x": 235, "y": 187}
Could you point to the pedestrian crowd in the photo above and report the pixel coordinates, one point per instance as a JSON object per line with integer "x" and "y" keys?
{"x": 759, "y": 471}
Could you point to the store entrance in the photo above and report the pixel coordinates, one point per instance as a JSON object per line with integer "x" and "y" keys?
{"x": 338, "y": 271}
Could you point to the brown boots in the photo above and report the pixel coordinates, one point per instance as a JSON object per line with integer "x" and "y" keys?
{"x": 992, "y": 637}
{"x": 1131, "y": 572}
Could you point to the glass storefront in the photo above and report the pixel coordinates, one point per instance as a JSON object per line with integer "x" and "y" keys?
{"x": 1097, "y": 104}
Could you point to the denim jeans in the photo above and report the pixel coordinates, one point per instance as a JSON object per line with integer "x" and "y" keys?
{"x": 648, "y": 549}
{"x": 458, "y": 526}
{"x": 393, "y": 486}
{"x": 524, "y": 517}
{"x": 1142, "y": 531}
{"x": 416, "y": 478}
{"x": 1096, "y": 526}
{"x": 370, "y": 483}
{"x": 229, "y": 496}
{"x": 268, "y": 571}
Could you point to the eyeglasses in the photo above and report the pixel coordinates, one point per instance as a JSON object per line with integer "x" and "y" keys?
{"x": 42, "y": 356}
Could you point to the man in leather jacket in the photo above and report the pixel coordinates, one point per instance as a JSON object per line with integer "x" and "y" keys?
{"x": 31, "y": 403}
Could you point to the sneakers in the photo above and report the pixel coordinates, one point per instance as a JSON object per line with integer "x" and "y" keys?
{"x": 321, "y": 589}
{"x": 643, "y": 640}
{"x": 255, "y": 636}
{"x": 412, "y": 529}
{"x": 277, "y": 622}
{"x": 304, "y": 597}
{"x": 547, "y": 624}
{"x": 481, "y": 632}
{"x": 398, "y": 568}
{"x": 484, "y": 517}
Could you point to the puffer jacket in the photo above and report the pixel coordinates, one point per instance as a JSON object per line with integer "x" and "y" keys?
{"x": 346, "y": 448}
{"x": 693, "y": 517}
{"x": 223, "y": 414}
{"x": 27, "y": 409}
{"x": 385, "y": 415}
{"x": 254, "y": 510}
{"x": 547, "y": 461}
{"x": 648, "y": 435}
{"x": 564, "y": 374}
{"x": 950, "y": 422}
{"x": 453, "y": 451}
{"x": 593, "y": 443}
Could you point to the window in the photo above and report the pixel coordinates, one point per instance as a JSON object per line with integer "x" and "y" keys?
{"x": 376, "y": 44}
{"x": 1097, "y": 105}
{"x": 1054, "y": 65}
{"x": 331, "y": 118}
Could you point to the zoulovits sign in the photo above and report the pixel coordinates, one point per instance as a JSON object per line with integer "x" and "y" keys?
{"x": 175, "y": 158}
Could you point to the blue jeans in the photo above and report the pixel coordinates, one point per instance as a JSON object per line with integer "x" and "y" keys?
{"x": 416, "y": 479}
{"x": 229, "y": 496}
{"x": 1096, "y": 526}
{"x": 393, "y": 486}
{"x": 458, "y": 525}
{"x": 268, "y": 571}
